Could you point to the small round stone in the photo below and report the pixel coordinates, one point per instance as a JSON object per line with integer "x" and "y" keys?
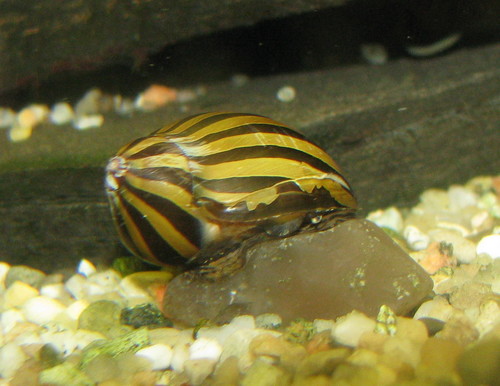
{"x": 489, "y": 245}
{"x": 61, "y": 113}
{"x": 286, "y": 94}
{"x": 42, "y": 309}
{"x": 160, "y": 355}
{"x": 205, "y": 348}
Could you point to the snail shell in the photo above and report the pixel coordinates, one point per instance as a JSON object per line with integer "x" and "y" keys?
{"x": 191, "y": 192}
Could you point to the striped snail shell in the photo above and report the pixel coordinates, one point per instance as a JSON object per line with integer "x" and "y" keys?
{"x": 194, "y": 191}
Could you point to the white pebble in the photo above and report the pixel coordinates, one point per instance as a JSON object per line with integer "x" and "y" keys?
{"x": 323, "y": 325}
{"x": 460, "y": 198}
{"x": 489, "y": 245}
{"x": 389, "y": 218}
{"x": 11, "y": 359}
{"x": 54, "y": 291}
{"x": 42, "y": 309}
{"x": 205, "y": 348}
{"x": 7, "y": 117}
{"x": 9, "y": 318}
{"x": 349, "y": 328}
{"x": 86, "y": 268}
{"x": 416, "y": 239}
{"x": 19, "y": 134}
{"x": 84, "y": 122}
{"x": 160, "y": 355}
{"x": 61, "y": 113}
{"x": 84, "y": 337}
{"x": 286, "y": 94}
{"x": 244, "y": 322}
{"x": 76, "y": 285}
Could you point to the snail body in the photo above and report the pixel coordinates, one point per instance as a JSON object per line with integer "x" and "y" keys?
{"x": 193, "y": 192}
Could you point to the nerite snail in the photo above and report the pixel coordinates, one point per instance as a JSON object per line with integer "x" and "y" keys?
{"x": 193, "y": 192}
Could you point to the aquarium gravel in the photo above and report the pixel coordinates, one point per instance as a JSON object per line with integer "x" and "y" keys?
{"x": 79, "y": 331}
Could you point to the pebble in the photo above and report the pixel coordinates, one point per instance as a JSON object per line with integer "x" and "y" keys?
{"x": 84, "y": 122}
{"x": 7, "y": 117}
{"x": 160, "y": 355}
{"x": 268, "y": 321}
{"x": 389, "y": 218}
{"x": 155, "y": 96}
{"x": 11, "y": 358}
{"x": 42, "y": 309}
{"x": 416, "y": 239}
{"x": 489, "y": 245}
{"x": 62, "y": 113}
{"x": 286, "y": 94}
{"x": 28, "y": 275}
{"x": 464, "y": 250}
{"x": 19, "y": 133}
{"x": 86, "y": 268}
{"x": 123, "y": 106}
{"x": 205, "y": 348}
{"x": 18, "y": 293}
{"x": 349, "y": 328}
{"x": 437, "y": 308}
{"x": 9, "y": 319}
{"x": 197, "y": 370}
{"x": 89, "y": 104}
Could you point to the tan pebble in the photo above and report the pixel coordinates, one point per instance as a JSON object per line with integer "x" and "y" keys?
{"x": 315, "y": 380}
{"x": 227, "y": 373}
{"x": 7, "y": 117}
{"x": 102, "y": 368}
{"x": 412, "y": 330}
{"x": 155, "y": 96}
{"x": 164, "y": 335}
{"x": 11, "y": 358}
{"x": 373, "y": 341}
{"x": 61, "y": 113}
{"x": 32, "y": 115}
{"x": 399, "y": 351}
{"x": 18, "y": 293}
{"x": 19, "y": 133}
{"x": 478, "y": 365}
{"x": 84, "y": 122}
{"x": 349, "y": 328}
{"x": 489, "y": 316}
{"x": 459, "y": 329}
{"x": 437, "y": 308}
{"x": 464, "y": 250}
{"x": 90, "y": 103}
{"x": 323, "y": 362}
{"x": 470, "y": 295}
{"x": 262, "y": 373}
{"x": 197, "y": 370}
{"x": 438, "y": 361}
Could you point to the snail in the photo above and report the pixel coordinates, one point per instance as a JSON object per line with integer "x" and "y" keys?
{"x": 195, "y": 193}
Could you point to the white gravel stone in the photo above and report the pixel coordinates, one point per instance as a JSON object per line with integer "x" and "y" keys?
{"x": 390, "y": 218}
{"x": 85, "y": 122}
{"x": 76, "y": 285}
{"x": 61, "y": 113}
{"x": 286, "y": 94}
{"x": 460, "y": 198}
{"x": 464, "y": 250}
{"x": 221, "y": 333}
{"x": 42, "y": 309}
{"x": 18, "y": 293}
{"x": 84, "y": 337}
{"x": 323, "y": 325}
{"x": 9, "y": 318}
{"x": 160, "y": 355}
{"x": 348, "y": 329}
{"x": 86, "y": 268}
{"x": 90, "y": 103}
{"x": 7, "y": 117}
{"x": 489, "y": 317}
{"x": 11, "y": 358}
{"x": 490, "y": 245}
{"x": 416, "y": 239}
{"x": 205, "y": 348}
{"x": 54, "y": 291}
{"x": 198, "y": 370}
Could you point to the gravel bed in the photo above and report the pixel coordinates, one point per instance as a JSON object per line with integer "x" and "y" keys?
{"x": 98, "y": 328}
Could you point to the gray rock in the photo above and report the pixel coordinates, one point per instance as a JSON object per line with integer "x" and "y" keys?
{"x": 323, "y": 275}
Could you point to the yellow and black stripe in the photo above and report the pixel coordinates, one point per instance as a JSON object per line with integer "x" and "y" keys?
{"x": 215, "y": 176}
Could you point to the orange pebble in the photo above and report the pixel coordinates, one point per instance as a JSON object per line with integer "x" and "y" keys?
{"x": 156, "y": 96}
